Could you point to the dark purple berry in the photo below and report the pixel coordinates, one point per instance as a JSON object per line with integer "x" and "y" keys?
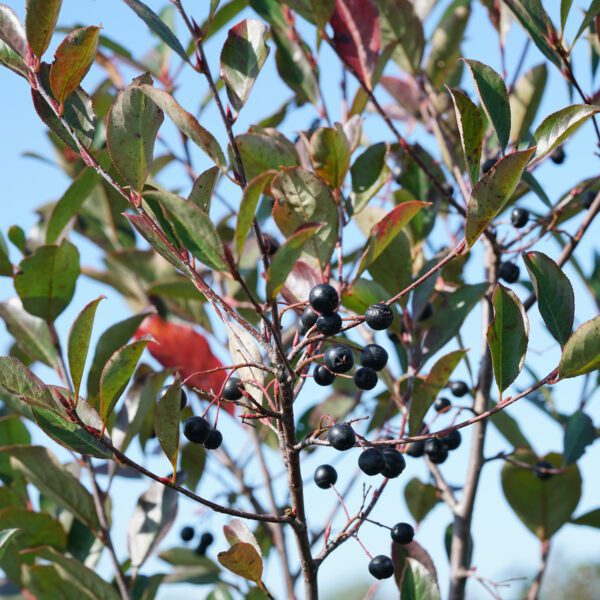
{"x": 196, "y": 429}
{"x": 459, "y": 389}
{"x": 207, "y": 539}
{"x": 379, "y": 316}
{"x": 365, "y": 378}
{"x": 329, "y": 324}
{"x": 558, "y": 156}
{"x": 426, "y": 313}
{"x": 214, "y": 439}
{"x": 588, "y": 199}
{"x": 394, "y": 463}
{"x": 416, "y": 449}
{"x": 373, "y": 356}
{"x": 233, "y": 389}
{"x": 324, "y": 298}
{"x": 438, "y": 458}
{"x": 309, "y": 317}
{"x": 509, "y": 272}
{"x": 403, "y": 533}
{"x": 452, "y": 440}
{"x": 371, "y": 461}
{"x": 323, "y": 376}
{"x": 540, "y": 470}
{"x": 339, "y": 358}
{"x": 442, "y": 405}
{"x": 341, "y": 436}
{"x": 187, "y": 534}
{"x": 381, "y": 567}
{"x": 488, "y": 164}
{"x": 432, "y": 446}
{"x": 325, "y": 476}
{"x": 519, "y": 217}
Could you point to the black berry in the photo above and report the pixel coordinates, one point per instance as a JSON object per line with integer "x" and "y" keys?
{"x": 325, "y": 476}
{"x": 187, "y": 533}
{"x": 214, "y": 439}
{"x": 539, "y": 470}
{"x": 323, "y": 376}
{"x": 365, "y": 378}
{"x": 442, "y": 405}
{"x": 381, "y": 567}
{"x": 416, "y": 449}
{"x": 309, "y": 317}
{"x": 588, "y": 199}
{"x": 339, "y": 358}
{"x": 324, "y": 298}
{"x": 403, "y": 533}
{"x": 558, "y": 156}
{"x": 329, "y": 324}
{"x": 509, "y": 272}
{"x": 379, "y": 316}
{"x": 166, "y": 388}
{"x": 196, "y": 429}
{"x": 432, "y": 446}
{"x": 488, "y": 164}
{"x": 373, "y": 356}
{"x": 459, "y": 388}
{"x": 341, "y": 436}
{"x": 371, "y": 461}
{"x": 394, "y": 463}
{"x": 207, "y": 539}
{"x": 233, "y": 389}
{"x": 437, "y": 458}
{"x": 426, "y": 312}
{"x": 452, "y": 440}
{"x": 270, "y": 244}
{"x": 519, "y": 217}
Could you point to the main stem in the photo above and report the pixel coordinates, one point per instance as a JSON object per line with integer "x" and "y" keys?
{"x": 463, "y": 513}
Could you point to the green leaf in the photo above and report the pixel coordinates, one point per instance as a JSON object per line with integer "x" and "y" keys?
{"x": 383, "y": 232}
{"x": 167, "y": 416}
{"x": 13, "y": 431}
{"x": 152, "y": 518}
{"x": 580, "y": 354}
{"x": 493, "y": 191}
{"x": 6, "y": 536}
{"x": 31, "y": 334}
{"x": 302, "y": 198}
{"x": 472, "y": 131}
{"x": 420, "y": 498}
{"x": 554, "y": 294}
{"x": 591, "y": 519}
{"x": 265, "y": 150}
{"x": 6, "y": 267}
{"x": 317, "y": 12}
{"x": 154, "y": 23}
{"x": 194, "y": 228}
{"x": 592, "y": 11}
{"x": 41, "y": 468}
{"x": 46, "y": 280}
{"x": 203, "y": 188}
{"x": 543, "y": 506}
{"x": 40, "y": 20}
{"x": 525, "y": 100}
{"x": 418, "y": 583}
{"x": 361, "y": 294}
{"x": 243, "y": 560}
{"x": 369, "y": 172}
{"x": 565, "y": 7}
{"x": 507, "y": 336}
{"x": 193, "y": 459}
{"x": 285, "y": 258}
{"x": 449, "y": 534}
{"x": 510, "y": 430}
{"x": 187, "y": 124}
{"x": 248, "y": 205}
{"x": 402, "y": 29}
{"x": 330, "y": 154}
{"x": 79, "y": 341}
{"x": 11, "y": 60}
{"x": 66, "y": 208}
{"x": 116, "y": 375}
{"x": 133, "y": 123}
{"x": 17, "y": 379}
{"x": 557, "y": 127}
{"x": 109, "y": 342}
{"x": 37, "y": 528}
{"x": 426, "y": 391}
{"x": 12, "y": 32}
{"x": 243, "y": 56}
{"x": 72, "y": 60}
{"x": 448, "y": 318}
{"x": 579, "y": 433}
{"x": 494, "y": 98}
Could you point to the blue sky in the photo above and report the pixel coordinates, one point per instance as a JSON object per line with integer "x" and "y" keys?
{"x": 503, "y": 547}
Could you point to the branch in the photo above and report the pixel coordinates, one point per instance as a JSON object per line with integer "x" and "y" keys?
{"x": 534, "y": 590}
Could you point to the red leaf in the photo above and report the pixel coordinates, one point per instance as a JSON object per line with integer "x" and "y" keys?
{"x": 356, "y": 36}
{"x": 182, "y": 348}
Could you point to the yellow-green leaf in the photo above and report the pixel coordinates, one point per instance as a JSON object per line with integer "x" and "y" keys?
{"x": 581, "y": 353}
{"x": 243, "y": 560}
{"x": 40, "y": 20}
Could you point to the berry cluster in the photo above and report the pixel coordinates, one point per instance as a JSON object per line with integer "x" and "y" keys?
{"x": 188, "y": 533}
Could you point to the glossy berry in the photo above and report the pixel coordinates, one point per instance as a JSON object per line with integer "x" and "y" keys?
{"x": 442, "y": 405}
{"x": 233, "y": 389}
{"x": 379, "y": 316}
{"x": 214, "y": 439}
{"x": 437, "y": 458}
{"x": 538, "y": 470}
{"x": 329, "y": 324}
{"x": 381, "y": 567}
{"x": 324, "y": 298}
{"x": 459, "y": 389}
{"x": 339, "y": 358}
{"x": 341, "y": 436}
{"x": 187, "y": 534}
{"x": 558, "y": 156}
{"x": 416, "y": 449}
{"x": 519, "y": 217}
{"x": 309, "y": 317}
{"x": 432, "y": 446}
{"x": 323, "y": 376}
{"x": 488, "y": 164}
{"x": 426, "y": 312}
{"x": 165, "y": 389}
{"x": 207, "y": 539}
{"x": 509, "y": 272}
{"x": 394, "y": 463}
{"x": 196, "y": 429}
{"x": 365, "y": 378}
{"x": 588, "y": 199}
{"x": 325, "y": 476}
{"x": 371, "y": 461}
{"x": 373, "y": 356}
{"x": 403, "y": 533}
{"x": 452, "y": 440}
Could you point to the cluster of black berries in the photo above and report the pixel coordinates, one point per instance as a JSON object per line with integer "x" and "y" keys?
{"x": 322, "y": 312}
{"x": 381, "y": 566}
{"x": 206, "y": 539}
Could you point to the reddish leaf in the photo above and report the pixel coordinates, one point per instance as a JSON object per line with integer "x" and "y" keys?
{"x": 357, "y": 36}
{"x": 182, "y": 348}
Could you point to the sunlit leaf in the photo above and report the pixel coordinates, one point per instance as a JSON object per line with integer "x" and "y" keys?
{"x": 40, "y": 20}
{"x": 166, "y": 422}
{"x": 580, "y": 354}
{"x": 243, "y": 560}
{"x": 330, "y": 154}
